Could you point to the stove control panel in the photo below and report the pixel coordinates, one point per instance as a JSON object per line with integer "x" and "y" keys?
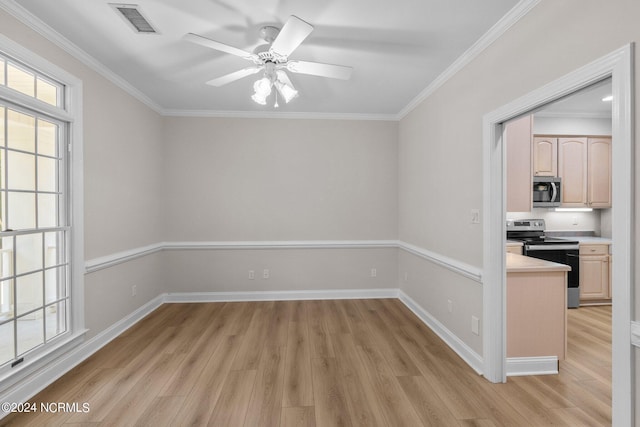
{"x": 525, "y": 225}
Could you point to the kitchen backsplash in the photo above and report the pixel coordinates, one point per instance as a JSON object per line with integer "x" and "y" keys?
{"x": 598, "y": 221}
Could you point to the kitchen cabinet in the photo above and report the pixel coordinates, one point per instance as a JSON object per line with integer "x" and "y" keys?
{"x": 572, "y": 169}
{"x": 536, "y": 307}
{"x": 599, "y": 172}
{"x": 583, "y": 163}
{"x": 514, "y": 249}
{"x": 545, "y": 156}
{"x": 518, "y": 146}
{"x": 594, "y": 272}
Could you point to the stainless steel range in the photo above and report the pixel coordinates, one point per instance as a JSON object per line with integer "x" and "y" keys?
{"x": 531, "y": 232}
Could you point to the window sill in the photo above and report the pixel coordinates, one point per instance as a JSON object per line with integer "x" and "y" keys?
{"x": 17, "y": 384}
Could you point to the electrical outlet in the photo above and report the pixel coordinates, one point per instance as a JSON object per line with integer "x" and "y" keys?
{"x": 374, "y": 272}
{"x": 265, "y": 273}
{"x": 475, "y": 325}
{"x": 134, "y": 290}
{"x": 252, "y": 274}
{"x": 450, "y": 306}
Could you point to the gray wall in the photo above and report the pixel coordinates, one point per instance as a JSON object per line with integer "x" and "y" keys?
{"x": 122, "y": 150}
{"x": 279, "y": 180}
{"x": 260, "y": 179}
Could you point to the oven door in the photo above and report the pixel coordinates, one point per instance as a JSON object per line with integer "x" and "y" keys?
{"x": 562, "y": 254}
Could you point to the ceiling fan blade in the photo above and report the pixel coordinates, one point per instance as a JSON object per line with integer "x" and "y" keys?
{"x": 293, "y": 33}
{"x": 318, "y": 69}
{"x": 231, "y": 77}
{"x": 212, "y": 44}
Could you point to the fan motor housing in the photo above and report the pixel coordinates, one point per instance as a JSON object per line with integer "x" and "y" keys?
{"x": 269, "y": 33}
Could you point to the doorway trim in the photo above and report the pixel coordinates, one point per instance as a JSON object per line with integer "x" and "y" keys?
{"x": 619, "y": 66}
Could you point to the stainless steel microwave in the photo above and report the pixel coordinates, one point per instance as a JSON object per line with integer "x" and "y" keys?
{"x": 547, "y": 191}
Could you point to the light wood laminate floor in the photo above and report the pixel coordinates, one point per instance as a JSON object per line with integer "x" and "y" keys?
{"x": 319, "y": 363}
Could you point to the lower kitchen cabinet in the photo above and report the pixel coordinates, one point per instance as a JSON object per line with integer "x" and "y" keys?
{"x": 594, "y": 272}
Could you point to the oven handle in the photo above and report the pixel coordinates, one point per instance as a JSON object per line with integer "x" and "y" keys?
{"x": 551, "y": 247}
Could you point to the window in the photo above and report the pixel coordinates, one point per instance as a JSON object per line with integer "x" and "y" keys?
{"x": 35, "y": 215}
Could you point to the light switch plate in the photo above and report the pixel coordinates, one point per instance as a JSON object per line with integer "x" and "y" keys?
{"x": 475, "y": 216}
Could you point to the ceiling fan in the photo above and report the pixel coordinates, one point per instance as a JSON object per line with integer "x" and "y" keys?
{"x": 273, "y": 60}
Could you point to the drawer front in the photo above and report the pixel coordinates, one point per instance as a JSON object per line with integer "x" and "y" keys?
{"x": 594, "y": 249}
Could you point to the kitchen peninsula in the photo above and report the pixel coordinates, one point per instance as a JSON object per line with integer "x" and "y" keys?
{"x": 536, "y": 307}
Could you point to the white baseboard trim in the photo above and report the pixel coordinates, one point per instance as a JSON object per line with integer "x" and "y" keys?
{"x": 281, "y": 295}
{"x": 35, "y": 383}
{"x": 467, "y": 354}
{"x": 519, "y": 366}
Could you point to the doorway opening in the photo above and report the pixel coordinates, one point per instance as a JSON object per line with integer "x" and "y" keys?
{"x": 563, "y": 151}
{"x": 618, "y": 67}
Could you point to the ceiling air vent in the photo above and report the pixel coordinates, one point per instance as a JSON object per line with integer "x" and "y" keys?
{"x": 131, "y": 13}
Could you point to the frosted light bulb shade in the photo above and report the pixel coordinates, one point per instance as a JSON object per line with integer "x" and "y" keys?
{"x": 287, "y": 92}
{"x": 262, "y": 87}
{"x": 259, "y": 99}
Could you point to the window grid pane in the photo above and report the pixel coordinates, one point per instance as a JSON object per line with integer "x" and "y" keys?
{"x": 34, "y": 279}
{"x": 30, "y": 82}
{"x": 21, "y": 80}
{"x": 3, "y": 64}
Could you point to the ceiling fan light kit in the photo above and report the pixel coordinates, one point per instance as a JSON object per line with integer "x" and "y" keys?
{"x": 273, "y": 60}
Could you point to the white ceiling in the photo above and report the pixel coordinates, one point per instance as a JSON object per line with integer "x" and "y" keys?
{"x": 584, "y": 103}
{"x": 397, "y": 49}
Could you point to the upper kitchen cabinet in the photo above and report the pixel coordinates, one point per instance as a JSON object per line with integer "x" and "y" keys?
{"x": 572, "y": 169}
{"x": 519, "y": 182}
{"x": 599, "y": 172}
{"x": 584, "y": 164}
{"x": 545, "y": 156}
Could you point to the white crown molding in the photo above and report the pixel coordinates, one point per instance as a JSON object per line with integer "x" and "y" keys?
{"x": 500, "y": 27}
{"x": 278, "y": 115}
{"x": 519, "y": 366}
{"x": 27, "y": 18}
{"x": 23, "y": 15}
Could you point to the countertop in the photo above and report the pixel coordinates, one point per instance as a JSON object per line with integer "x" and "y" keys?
{"x": 593, "y": 240}
{"x": 524, "y": 264}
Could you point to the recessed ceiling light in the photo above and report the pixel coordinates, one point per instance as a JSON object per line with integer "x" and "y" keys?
{"x": 608, "y": 98}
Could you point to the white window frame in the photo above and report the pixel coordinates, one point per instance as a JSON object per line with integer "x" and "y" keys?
{"x": 71, "y": 113}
